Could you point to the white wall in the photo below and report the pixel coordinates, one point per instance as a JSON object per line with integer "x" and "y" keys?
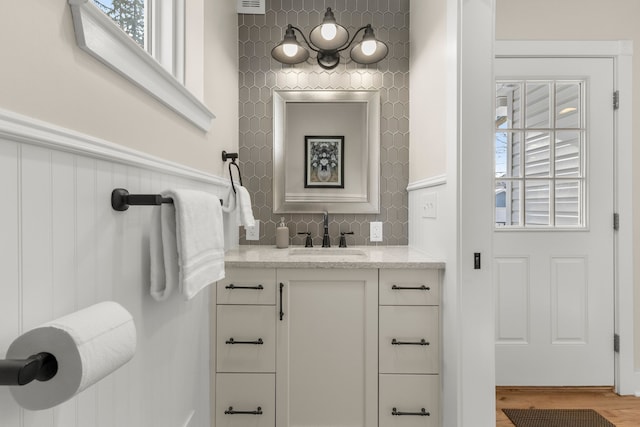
{"x": 430, "y": 77}
{"x": 454, "y": 115}
{"x": 434, "y": 128}
{"x": 64, "y": 248}
{"x": 45, "y": 75}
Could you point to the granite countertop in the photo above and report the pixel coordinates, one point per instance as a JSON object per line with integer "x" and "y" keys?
{"x": 334, "y": 257}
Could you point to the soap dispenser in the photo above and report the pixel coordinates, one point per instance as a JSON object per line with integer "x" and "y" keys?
{"x": 282, "y": 235}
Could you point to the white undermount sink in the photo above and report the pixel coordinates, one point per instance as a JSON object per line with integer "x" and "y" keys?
{"x": 350, "y": 252}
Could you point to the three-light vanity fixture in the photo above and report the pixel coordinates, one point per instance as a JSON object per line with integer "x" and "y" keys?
{"x": 329, "y": 39}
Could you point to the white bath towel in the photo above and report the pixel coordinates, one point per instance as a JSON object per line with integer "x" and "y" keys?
{"x": 186, "y": 244}
{"x": 240, "y": 200}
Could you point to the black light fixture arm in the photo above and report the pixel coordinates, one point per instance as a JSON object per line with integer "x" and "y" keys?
{"x": 293, "y": 27}
{"x": 342, "y": 49}
{"x": 348, "y": 45}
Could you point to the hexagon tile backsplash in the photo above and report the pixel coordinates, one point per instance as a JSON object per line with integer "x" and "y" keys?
{"x": 260, "y": 75}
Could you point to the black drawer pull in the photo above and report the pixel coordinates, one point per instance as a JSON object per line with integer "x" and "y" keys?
{"x": 421, "y": 342}
{"x": 281, "y": 309}
{"x": 422, "y": 413}
{"x": 410, "y": 288}
{"x": 230, "y": 411}
{"x": 232, "y": 286}
{"x": 232, "y": 341}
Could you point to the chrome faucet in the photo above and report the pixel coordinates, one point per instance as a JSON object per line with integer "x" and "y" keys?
{"x": 326, "y": 243}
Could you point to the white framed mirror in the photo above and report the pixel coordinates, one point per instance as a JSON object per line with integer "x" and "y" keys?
{"x": 326, "y": 151}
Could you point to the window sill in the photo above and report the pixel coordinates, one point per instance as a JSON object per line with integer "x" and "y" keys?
{"x": 100, "y": 37}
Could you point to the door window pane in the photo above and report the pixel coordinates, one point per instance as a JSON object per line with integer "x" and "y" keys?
{"x": 539, "y": 168}
{"x": 536, "y": 203}
{"x": 508, "y": 105}
{"x": 538, "y": 105}
{"x": 568, "y": 197}
{"x": 568, "y": 105}
{"x": 537, "y": 154}
{"x": 507, "y": 154}
{"x": 507, "y": 200}
{"x": 568, "y": 156}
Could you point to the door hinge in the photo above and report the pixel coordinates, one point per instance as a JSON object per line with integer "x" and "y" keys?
{"x": 616, "y": 343}
{"x": 616, "y": 100}
{"x": 616, "y": 221}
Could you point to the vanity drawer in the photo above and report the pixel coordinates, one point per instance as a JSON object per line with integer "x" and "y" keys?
{"x": 246, "y": 338}
{"x": 409, "y": 287}
{"x": 253, "y": 393}
{"x": 247, "y": 286}
{"x": 406, "y": 396}
{"x": 409, "y": 339}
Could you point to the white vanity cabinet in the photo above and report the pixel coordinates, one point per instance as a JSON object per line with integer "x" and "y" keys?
{"x": 409, "y": 345}
{"x": 245, "y": 349}
{"x": 328, "y": 342}
{"x": 327, "y": 367}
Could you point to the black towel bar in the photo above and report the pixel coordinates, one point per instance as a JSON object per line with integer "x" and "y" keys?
{"x": 121, "y": 199}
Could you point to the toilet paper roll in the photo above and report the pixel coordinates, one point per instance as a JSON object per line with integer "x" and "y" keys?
{"x": 88, "y": 345}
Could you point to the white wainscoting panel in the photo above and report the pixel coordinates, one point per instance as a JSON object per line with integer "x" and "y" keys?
{"x": 511, "y": 282}
{"x": 63, "y": 248}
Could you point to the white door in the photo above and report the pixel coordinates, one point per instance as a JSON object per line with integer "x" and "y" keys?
{"x": 553, "y": 239}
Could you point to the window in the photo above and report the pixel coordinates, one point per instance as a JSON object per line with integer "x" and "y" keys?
{"x": 157, "y": 26}
{"x": 148, "y": 49}
{"x": 129, "y": 15}
{"x": 540, "y": 154}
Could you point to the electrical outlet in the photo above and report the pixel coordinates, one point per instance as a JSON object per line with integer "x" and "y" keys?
{"x": 375, "y": 231}
{"x": 253, "y": 233}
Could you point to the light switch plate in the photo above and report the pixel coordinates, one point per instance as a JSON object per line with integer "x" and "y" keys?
{"x": 253, "y": 233}
{"x": 430, "y": 205}
{"x": 375, "y": 231}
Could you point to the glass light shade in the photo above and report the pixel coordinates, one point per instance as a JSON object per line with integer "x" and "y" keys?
{"x": 328, "y": 31}
{"x": 369, "y": 50}
{"x": 321, "y": 38}
{"x": 289, "y": 51}
{"x": 369, "y": 47}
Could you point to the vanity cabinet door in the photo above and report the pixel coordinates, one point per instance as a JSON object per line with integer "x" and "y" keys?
{"x": 327, "y": 356}
{"x": 245, "y": 400}
{"x": 246, "y": 338}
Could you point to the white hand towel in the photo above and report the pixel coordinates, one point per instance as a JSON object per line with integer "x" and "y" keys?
{"x": 229, "y": 201}
{"x": 240, "y": 200}
{"x": 186, "y": 244}
{"x": 244, "y": 207}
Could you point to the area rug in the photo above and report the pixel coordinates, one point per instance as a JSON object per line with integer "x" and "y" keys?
{"x": 556, "y": 418}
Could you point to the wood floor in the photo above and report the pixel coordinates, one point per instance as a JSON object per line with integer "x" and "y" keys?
{"x": 623, "y": 411}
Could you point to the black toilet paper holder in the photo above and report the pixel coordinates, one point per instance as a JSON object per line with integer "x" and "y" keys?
{"x": 42, "y": 367}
